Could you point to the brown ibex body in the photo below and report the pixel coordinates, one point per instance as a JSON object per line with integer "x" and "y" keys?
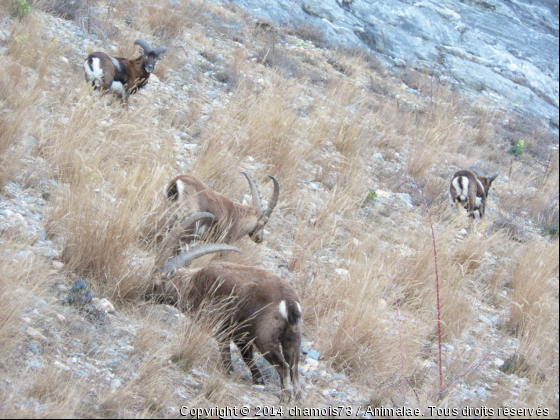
{"x": 232, "y": 221}
{"x": 469, "y": 190}
{"x": 121, "y": 75}
{"x": 261, "y": 309}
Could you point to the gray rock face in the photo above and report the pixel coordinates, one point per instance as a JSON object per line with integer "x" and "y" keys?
{"x": 506, "y": 51}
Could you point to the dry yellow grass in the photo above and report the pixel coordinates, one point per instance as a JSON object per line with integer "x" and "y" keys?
{"x": 19, "y": 281}
{"x": 314, "y": 118}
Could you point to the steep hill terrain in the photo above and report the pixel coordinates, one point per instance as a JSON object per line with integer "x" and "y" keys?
{"x": 361, "y": 151}
{"x": 502, "y": 52}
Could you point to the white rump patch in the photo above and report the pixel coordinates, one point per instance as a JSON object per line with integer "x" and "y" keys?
{"x": 283, "y": 310}
{"x": 95, "y": 71}
{"x": 461, "y": 193}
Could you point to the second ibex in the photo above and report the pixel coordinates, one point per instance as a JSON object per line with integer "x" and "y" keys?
{"x": 232, "y": 220}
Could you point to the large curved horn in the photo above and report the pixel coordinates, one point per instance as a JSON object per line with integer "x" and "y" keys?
{"x": 254, "y": 191}
{"x": 195, "y": 252}
{"x": 160, "y": 50}
{"x": 478, "y": 171}
{"x": 144, "y": 44}
{"x": 173, "y": 237}
{"x": 274, "y": 199}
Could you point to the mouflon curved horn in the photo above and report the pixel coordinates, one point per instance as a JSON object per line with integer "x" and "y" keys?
{"x": 144, "y": 44}
{"x": 493, "y": 177}
{"x": 478, "y": 171}
{"x": 160, "y": 50}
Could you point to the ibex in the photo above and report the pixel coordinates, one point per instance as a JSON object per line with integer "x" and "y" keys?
{"x": 469, "y": 190}
{"x": 262, "y": 309}
{"x": 121, "y": 75}
{"x": 232, "y": 220}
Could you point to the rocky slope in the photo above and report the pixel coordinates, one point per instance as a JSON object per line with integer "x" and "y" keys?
{"x": 503, "y": 52}
{"x": 69, "y": 352}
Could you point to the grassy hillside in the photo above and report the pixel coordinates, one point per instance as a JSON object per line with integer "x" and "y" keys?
{"x": 356, "y": 148}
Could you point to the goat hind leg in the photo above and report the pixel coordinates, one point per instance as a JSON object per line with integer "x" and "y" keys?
{"x": 226, "y": 357}
{"x": 292, "y": 358}
{"x": 275, "y": 358}
{"x": 247, "y": 353}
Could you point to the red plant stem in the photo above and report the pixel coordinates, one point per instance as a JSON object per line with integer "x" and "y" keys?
{"x": 401, "y": 338}
{"x": 437, "y": 280}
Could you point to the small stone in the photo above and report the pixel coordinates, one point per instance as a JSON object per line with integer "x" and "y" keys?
{"x": 57, "y": 265}
{"x": 116, "y": 383}
{"x": 17, "y": 219}
{"x": 311, "y": 362}
{"x": 382, "y": 303}
{"x": 486, "y": 320}
{"x": 22, "y": 255}
{"x": 61, "y": 318}
{"x": 33, "y": 333}
{"x": 498, "y": 362}
{"x": 33, "y": 364}
{"x": 60, "y": 365}
{"x": 35, "y": 348}
{"x": 199, "y": 374}
{"x": 103, "y": 305}
{"x": 79, "y": 285}
{"x": 314, "y": 354}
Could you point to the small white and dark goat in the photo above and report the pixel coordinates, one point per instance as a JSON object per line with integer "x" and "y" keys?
{"x": 121, "y": 75}
{"x": 260, "y": 309}
{"x": 469, "y": 190}
{"x": 232, "y": 221}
